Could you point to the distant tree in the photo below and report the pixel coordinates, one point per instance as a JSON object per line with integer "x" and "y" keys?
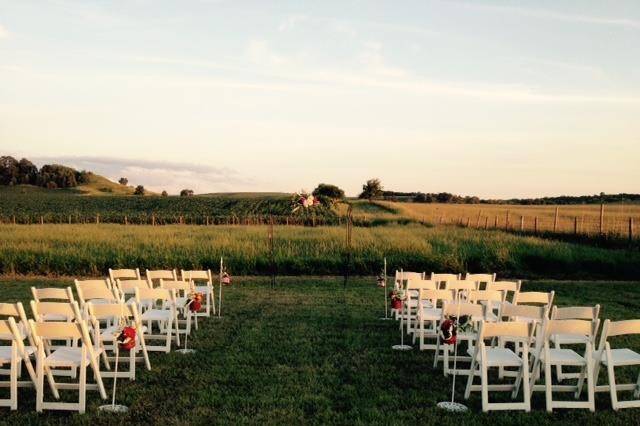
{"x": 164, "y": 194}
{"x": 64, "y": 177}
{"x": 328, "y": 194}
{"x": 9, "y": 170}
{"x": 123, "y": 181}
{"x": 139, "y": 190}
{"x": 27, "y": 172}
{"x": 186, "y": 193}
{"x": 83, "y": 176}
{"x": 372, "y": 189}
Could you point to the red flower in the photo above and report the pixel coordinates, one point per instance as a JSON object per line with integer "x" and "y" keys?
{"x": 127, "y": 338}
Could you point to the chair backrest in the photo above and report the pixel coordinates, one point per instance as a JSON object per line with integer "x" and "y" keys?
{"x": 480, "y": 278}
{"x": 196, "y": 275}
{"x": 575, "y": 312}
{"x": 437, "y": 295}
{"x": 403, "y": 276}
{"x": 121, "y": 310}
{"x": 538, "y": 313}
{"x": 512, "y": 329}
{"x": 129, "y": 286}
{"x": 475, "y": 311}
{"x": 156, "y": 294}
{"x": 506, "y": 287}
{"x": 154, "y": 277}
{"x": 57, "y": 330}
{"x": 65, "y": 311}
{"x": 485, "y": 296}
{"x": 94, "y": 289}
{"x": 571, "y": 327}
{"x": 124, "y": 274}
{"x": 441, "y": 278}
{"x": 183, "y": 287}
{"x": 618, "y": 328}
{"x": 421, "y": 284}
{"x": 534, "y": 298}
{"x": 52, "y": 293}
{"x": 461, "y": 285}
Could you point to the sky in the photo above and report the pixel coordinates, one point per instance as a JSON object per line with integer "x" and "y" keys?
{"x": 489, "y": 98}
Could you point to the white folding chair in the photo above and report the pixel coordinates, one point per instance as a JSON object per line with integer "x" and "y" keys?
{"x": 123, "y": 274}
{"x": 461, "y": 288}
{"x": 163, "y": 314}
{"x": 429, "y": 314}
{"x": 410, "y": 306}
{"x": 80, "y": 357}
{"x": 476, "y": 314}
{"x": 546, "y": 356}
{"x": 533, "y": 315}
{"x": 52, "y": 294}
{"x": 509, "y": 289}
{"x": 619, "y": 357}
{"x": 590, "y": 313}
{"x": 203, "y": 282}
{"x": 21, "y": 334}
{"x": 127, "y": 291}
{"x": 96, "y": 291}
{"x": 481, "y": 279}
{"x": 154, "y": 277}
{"x": 14, "y": 353}
{"x": 184, "y": 315}
{"x": 492, "y": 299}
{"x": 112, "y": 315}
{"x": 484, "y": 358}
{"x": 400, "y": 282}
{"x": 441, "y": 279}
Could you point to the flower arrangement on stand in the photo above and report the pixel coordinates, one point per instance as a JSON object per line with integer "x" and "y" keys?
{"x": 449, "y": 328}
{"x": 302, "y": 200}
{"x": 195, "y": 301}
{"x": 397, "y": 296}
{"x": 226, "y": 278}
{"x": 381, "y": 280}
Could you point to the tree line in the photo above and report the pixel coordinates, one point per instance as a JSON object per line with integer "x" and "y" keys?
{"x": 52, "y": 176}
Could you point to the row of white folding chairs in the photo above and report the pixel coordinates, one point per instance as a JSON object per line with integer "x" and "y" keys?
{"x": 441, "y": 278}
{"x": 82, "y": 348}
{"x": 203, "y": 281}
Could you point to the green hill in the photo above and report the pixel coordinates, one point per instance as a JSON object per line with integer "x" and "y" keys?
{"x": 96, "y": 185}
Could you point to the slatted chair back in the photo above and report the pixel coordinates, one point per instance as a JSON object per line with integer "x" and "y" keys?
{"x": 52, "y": 293}
{"x": 154, "y": 277}
{"x": 509, "y": 288}
{"x": 483, "y": 280}
{"x": 124, "y": 274}
{"x": 89, "y": 290}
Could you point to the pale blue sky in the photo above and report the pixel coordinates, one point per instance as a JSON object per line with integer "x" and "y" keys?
{"x": 494, "y": 99}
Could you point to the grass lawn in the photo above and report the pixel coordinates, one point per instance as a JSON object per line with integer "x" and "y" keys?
{"x": 311, "y": 352}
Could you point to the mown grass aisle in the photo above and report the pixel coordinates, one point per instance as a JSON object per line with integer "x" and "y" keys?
{"x": 311, "y": 352}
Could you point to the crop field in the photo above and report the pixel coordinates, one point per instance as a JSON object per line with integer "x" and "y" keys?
{"x": 581, "y": 219}
{"x": 61, "y": 207}
{"x": 92, "y": 249}
{"x": 310, "y": 352}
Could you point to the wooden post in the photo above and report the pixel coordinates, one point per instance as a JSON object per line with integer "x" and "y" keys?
{"x": 468, "y": 220}
{"x": 478, "y": 220}
{"x": 181, "y": 220}
{"x": 41, "y": 220}
{"x": 535, "y": 224}
{"x": 506, "y": 223}
{"x": 630, "y": 229}
{"x": 97, "y": 218}
{"x": 126, "y": 222}
{"x": 14, "y": 219}
{"x": 555, "y": 221}
{"x": 207, "y": 220}
{"x": 495, "y": 225}
{"x": 69, "y": 219}
{"x": 575, "y": 225}
{"x": 348, "y": 244}
{"x": 521, "y": 223}
{"x": 272, "y": 258}
{"x": 486, "y": 222}
{"x": 601, "y": 218}
{"x": 153, "y": 219}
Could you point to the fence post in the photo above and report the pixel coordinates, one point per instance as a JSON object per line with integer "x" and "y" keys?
{"x": 535, "y": 224}
{"x": 555, "y": 221}
{"x": 478, "y": 220}
{"x": 495, "y": 225}
{"x": 126, "y": 222}
{"x": 97, "y": 218}
{"x": 506, "y": 223}
{"x": 41, "y": 220}
{"x": 468, "y": 220}
{"x": 14, "y": 219}
{"x": 69, "y": 219}
{"x": 601, "y": 218}
{"x": 153, "y": 219}
{"x": 521, "y": 223}
{"x": 486, "y": 222}
{"x": 630, "y": 229}
{"x": 575, "y": 225}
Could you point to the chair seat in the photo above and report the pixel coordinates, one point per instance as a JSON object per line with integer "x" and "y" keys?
{"x": 68, "y": 357}
{"x": 498, "y": 357}
{"x": 5, "y": 353}
{"x": 568, "y": 339}
{"x": 156, "y": 315}
{"x": 622, "y": 357}
{"x": 564, "y": 356}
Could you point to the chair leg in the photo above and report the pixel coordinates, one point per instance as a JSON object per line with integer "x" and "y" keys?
{"x": 82, "y": 387}
{"x": 485, "y": 387}
{"x": 15, "y": 365}
{"x": 547, "y": 384}
{"x": 559, "y": 375}
{"x": 40, "y": 383}
{"x": 612, "y": 385}
{"x": 526, "y": 392}
{"x": 472, "y": 374}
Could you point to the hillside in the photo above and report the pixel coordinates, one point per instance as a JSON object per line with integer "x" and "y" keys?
{"x": 96, "y": 185}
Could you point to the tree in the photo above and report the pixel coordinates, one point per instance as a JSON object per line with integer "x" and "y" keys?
{"x": 328, "y": 191}
{"x": 27, "y": 172}
{"x": 139, "y": 190}
{"x": 164, "y": 194}
{"x": 8, "y": 170}
{"x": 186, "y": 193}
{"x": 123, "y": 181}
{"x": 372, "y": 189}
{"x": 62, "y": 176}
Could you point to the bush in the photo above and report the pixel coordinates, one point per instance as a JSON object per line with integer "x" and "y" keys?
{"x": 123, "y": 181}
{"x": 139, "y": 190}
{"x": 186, "y": 193}
{"x": 372, "y": 189}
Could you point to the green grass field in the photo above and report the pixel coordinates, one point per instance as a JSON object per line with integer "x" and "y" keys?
{"x": 309, "y": 352}
{"x": 92, "y": 249}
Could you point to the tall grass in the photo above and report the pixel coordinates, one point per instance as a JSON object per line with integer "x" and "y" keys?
{"x": 92, "y": 249}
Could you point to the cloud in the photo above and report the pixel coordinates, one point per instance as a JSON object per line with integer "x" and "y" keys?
{"x": 157, "y": 175}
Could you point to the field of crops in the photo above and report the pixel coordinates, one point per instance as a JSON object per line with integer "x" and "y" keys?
{"x": 92, "y": 249}
{"x": 62, "y": 207}
{"x": 580, "y": 219}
